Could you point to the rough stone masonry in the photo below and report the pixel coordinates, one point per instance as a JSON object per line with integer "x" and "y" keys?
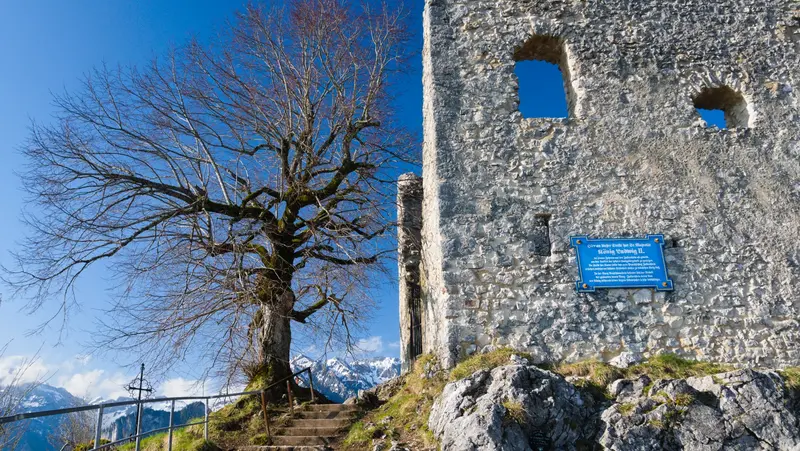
{"x": 502, "y": 193}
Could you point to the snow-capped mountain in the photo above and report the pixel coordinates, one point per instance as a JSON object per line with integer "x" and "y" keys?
{"x": 124, "y": 425}
{"x": 339, "y": 380}
{"x": 118, "y": 422}
{"x": 35, "y": 398}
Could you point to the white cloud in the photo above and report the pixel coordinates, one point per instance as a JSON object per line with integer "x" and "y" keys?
{"x": 21, "y": 369}
{"x": 95, "y": 383}
{"x": 370, "y": 345}
{"x": 84, "y": 359}
{"x": 79, "y": 384}
{"x": 77, "y": 377}
{"x": 173, "y": 388}
{"x": 89, "y": 383}
{"x": 77, "y": 361}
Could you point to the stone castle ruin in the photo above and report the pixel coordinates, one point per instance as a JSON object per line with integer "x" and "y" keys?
{"x": 484, "y": 236}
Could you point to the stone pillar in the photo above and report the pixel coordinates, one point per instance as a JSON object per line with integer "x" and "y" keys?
{"x": 409, "y": 245}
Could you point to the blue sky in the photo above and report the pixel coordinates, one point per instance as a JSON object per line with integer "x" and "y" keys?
{"x": 45, "y": 47}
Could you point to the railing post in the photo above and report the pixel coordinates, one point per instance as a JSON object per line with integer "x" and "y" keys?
{"x": 291, "y": 401}
{"x": 311, "y": 385}
{"x": 99, "y": 428}
{"x": 171, "y": 424}
{"x": 205, "y": 428}
{"x": 139, "y": 427}
{"x": 264, "y": 409}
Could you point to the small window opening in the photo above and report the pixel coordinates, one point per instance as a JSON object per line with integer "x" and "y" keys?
{"x": 722, "y": 107}
{"x": 544, "y": 87}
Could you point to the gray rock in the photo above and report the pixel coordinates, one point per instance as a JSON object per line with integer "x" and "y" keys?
{"x": 519, "y": 360}
{"x": 519, "y": 407}
{"x": 740, "y": 410}
{"x": 377, "y": 395}
{"x": 623, "y": 389}
{"x": 383, "y": 445}
{"x": 625, "y": 359}
{"x": 514, "y": 407}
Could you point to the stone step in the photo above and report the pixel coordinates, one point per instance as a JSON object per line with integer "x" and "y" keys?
{"x": 312, "y": 428}
{"x": 330, "y": 408}
{"x": 300, "y": 440}
{"x": 325, "y": 415}
{"x": 306, "y": 432}
{"x": 321, "y": 422}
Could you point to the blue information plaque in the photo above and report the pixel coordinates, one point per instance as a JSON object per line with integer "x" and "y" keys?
{"x": 621, "y": 263}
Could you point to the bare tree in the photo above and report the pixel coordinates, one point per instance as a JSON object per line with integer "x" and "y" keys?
{"x": 14, "y": 388}
{"x": 234, "y": 188}
{"x": 74, "y": 429}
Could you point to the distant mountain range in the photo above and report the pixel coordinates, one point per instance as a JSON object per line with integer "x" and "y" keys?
{"x": 337, "y": 379}
{"x": 118, "y": 422}
{"x": 38, "y": 430}
{"x": 121, "y": 422}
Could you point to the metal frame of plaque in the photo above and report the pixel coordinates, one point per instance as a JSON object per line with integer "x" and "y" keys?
{"x": 621, "y": 263}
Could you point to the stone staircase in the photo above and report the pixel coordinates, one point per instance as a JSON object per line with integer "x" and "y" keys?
{"x": 314, "y": 427}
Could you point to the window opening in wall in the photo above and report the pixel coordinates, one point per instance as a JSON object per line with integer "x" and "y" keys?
{"x": 722, "y": 107}
{"x": 544, "y": 88}
{"x": 714, "y": 118}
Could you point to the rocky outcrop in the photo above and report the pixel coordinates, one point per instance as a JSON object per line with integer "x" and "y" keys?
{"x": 740, "y": 410}
{"x": 510, "y": 408}
{"x": 377, "y": 395}
{"x": 521, "y": 407}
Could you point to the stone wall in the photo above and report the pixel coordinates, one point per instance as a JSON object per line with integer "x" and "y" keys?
{"x": 633, "y": 158}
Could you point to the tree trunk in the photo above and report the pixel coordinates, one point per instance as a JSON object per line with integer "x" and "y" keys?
{"x": 276, "y": 341}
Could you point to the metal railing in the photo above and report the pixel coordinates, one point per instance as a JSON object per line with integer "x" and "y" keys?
{"x": 140, "y": 410}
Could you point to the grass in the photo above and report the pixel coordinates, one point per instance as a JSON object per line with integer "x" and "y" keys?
{"x": 405, "y": 415}
{"x": 658, "y": 424}
{"x": 597, "y": 375}
{"x": 683, "y": 400}
{"x": 626, "y": 408}
{"x": 485, "y": 362}
{"x": 185, "y": 439}
{"x": 83, "y": 446}
{"x": 670, "y": 366}
{"x": 791, "y": 377}
{"x": 515, "y": 412}
{"x": 237, "y": 424}
{"x": 664, "y": 366}
{"x": 359, "y": 434}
